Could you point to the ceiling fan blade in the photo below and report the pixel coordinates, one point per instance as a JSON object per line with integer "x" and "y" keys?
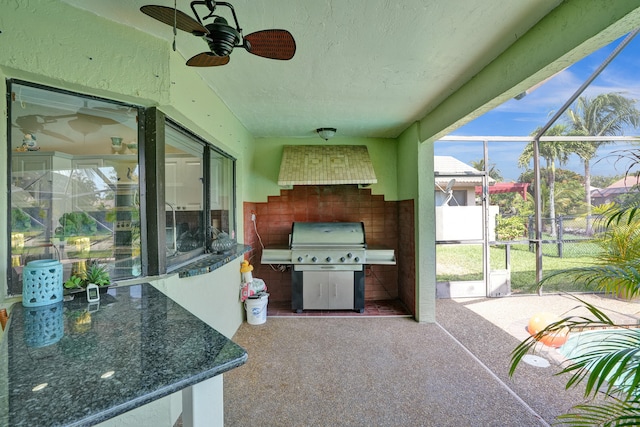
{"x": 274, "y": 44}
{"x": 167, "y": 15}
{"x": 58, "y": 135}
{"x": 104, "y": 121}
{"x": 29, "y": 124}
{"x": 207, "y": 59}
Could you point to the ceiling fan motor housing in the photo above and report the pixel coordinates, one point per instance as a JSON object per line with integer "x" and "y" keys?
{"x": 222, "y": 37}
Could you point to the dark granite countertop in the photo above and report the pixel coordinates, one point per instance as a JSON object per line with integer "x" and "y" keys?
{"x": 211, "y": 262}
{"x": 151, "y": 346}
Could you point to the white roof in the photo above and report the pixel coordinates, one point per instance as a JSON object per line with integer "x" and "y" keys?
{"x": 449, "y": 165}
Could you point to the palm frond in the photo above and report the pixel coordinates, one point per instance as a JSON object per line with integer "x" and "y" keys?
{"x": 608, "y": 278}
{"x": 611, "y": 364}
{"x": 618, "y": 215}
{"x": 570, "y": 323}
{"x": 613, "y": 413}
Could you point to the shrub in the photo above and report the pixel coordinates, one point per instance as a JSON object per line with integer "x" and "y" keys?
{"x": 76, "y": 224}
{"x": 20, "y": 221}
{"x": 510, "y": 228}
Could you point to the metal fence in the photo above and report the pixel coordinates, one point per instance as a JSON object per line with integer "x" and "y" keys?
{"x": 568, "y": 236}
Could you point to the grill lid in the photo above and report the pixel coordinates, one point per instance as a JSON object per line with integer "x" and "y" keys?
{"x": 306, "y": 234}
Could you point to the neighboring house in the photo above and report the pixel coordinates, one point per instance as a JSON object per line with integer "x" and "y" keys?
{"x": 448, "y": 171}
{"x": 458, "y": 216}
{"x": 466, "y": 189}
{"x": 602, "y": 196}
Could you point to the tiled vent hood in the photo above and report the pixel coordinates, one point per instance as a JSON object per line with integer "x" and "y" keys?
{"x": 326, "y": 165}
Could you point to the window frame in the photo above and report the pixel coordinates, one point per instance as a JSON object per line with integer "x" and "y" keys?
{"x": 151, "y": 163}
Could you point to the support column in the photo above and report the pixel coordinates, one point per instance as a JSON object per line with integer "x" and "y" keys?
{"x": 203, "y": 404}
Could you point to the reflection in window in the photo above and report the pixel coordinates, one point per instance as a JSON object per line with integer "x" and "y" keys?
{"x": 221, "y": 195}
{"x": 184, "y": 196}
{"x": 75, "y": 186}
{"x": 74, "y": 182}
{"x": 191, "y": 228}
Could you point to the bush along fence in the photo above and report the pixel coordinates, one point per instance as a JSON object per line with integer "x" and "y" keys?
{"x": 567, "y": 236}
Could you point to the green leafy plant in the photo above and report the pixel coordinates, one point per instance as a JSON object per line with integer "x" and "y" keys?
{"x": 617, "y": 264}
{"x": 95, "y": 273}
{"x": 74, "y": 282}
{"x": 98, "y": 275}
{"x": 76, "y": 224}
{"x": 20, "y": 221}
{"x": 611, "y": 365}
{"x": 511, "y": 228}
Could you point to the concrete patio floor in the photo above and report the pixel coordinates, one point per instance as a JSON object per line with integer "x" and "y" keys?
{"x": 322, "y": 371}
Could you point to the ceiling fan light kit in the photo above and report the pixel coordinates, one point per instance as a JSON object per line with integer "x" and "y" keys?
{"x": 326, "y": 133}
{"x": 221, "y": 37}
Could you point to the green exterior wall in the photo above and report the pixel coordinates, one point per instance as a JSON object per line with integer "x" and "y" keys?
{"x": 407, "y": 163}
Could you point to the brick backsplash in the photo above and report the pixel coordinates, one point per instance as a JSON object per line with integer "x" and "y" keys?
{"x": 407, "y": 255}
{"x": 386, "y": 224}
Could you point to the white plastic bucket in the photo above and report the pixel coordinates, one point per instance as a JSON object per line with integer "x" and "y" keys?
{"x": 256, "y": 309}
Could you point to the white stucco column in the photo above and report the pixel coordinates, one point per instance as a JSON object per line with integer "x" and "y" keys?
{"x": 202, "y": 404}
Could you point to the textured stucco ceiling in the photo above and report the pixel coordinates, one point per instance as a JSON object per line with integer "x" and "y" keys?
{"x": 367, "y": 67}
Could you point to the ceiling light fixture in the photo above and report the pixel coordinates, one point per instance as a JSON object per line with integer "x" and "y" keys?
{"x": 326, "y": 133}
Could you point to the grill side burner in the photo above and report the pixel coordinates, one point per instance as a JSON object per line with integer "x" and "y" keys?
{"x": 328, "y": 261}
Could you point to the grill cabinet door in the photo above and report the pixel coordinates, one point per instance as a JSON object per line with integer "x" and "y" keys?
{"x": 328, "y": 290}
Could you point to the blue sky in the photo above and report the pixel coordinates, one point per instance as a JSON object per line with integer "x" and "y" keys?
{"x": 522, "y": 117}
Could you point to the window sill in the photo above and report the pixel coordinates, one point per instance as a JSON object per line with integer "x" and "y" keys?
{"x": 208, "y": 263}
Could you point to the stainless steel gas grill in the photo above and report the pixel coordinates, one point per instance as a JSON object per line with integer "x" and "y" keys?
{"x": 327, "y": 261}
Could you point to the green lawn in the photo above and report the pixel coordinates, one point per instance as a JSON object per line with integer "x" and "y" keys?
{"x": 464, "y": 262}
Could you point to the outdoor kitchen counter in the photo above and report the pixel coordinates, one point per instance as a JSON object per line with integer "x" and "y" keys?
{"x": 74, "y": 364}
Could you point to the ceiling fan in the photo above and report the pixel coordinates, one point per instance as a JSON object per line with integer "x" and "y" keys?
{"x": 221, "y": 37}
{"x": 85, "y": 120}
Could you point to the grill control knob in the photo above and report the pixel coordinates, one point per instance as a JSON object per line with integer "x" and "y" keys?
{"x": 357, "y": 259}
{"x": 349, "y": 255}
{"x": 328, "y": 259}
{"x": 342, "y": 259}
{"x": 314, "y": 259}
{"x": 300, "y": 259}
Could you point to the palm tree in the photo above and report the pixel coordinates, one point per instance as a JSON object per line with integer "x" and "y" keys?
{"x": 550, "y": 151}
{"x": 493, "y": 171}
{"x": 605, "y": 115}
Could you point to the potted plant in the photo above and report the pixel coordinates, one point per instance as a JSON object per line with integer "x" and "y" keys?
{"x": 95, "y": 273}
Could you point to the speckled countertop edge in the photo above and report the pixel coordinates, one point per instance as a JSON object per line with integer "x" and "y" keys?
{"x": 211, "y": 262}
